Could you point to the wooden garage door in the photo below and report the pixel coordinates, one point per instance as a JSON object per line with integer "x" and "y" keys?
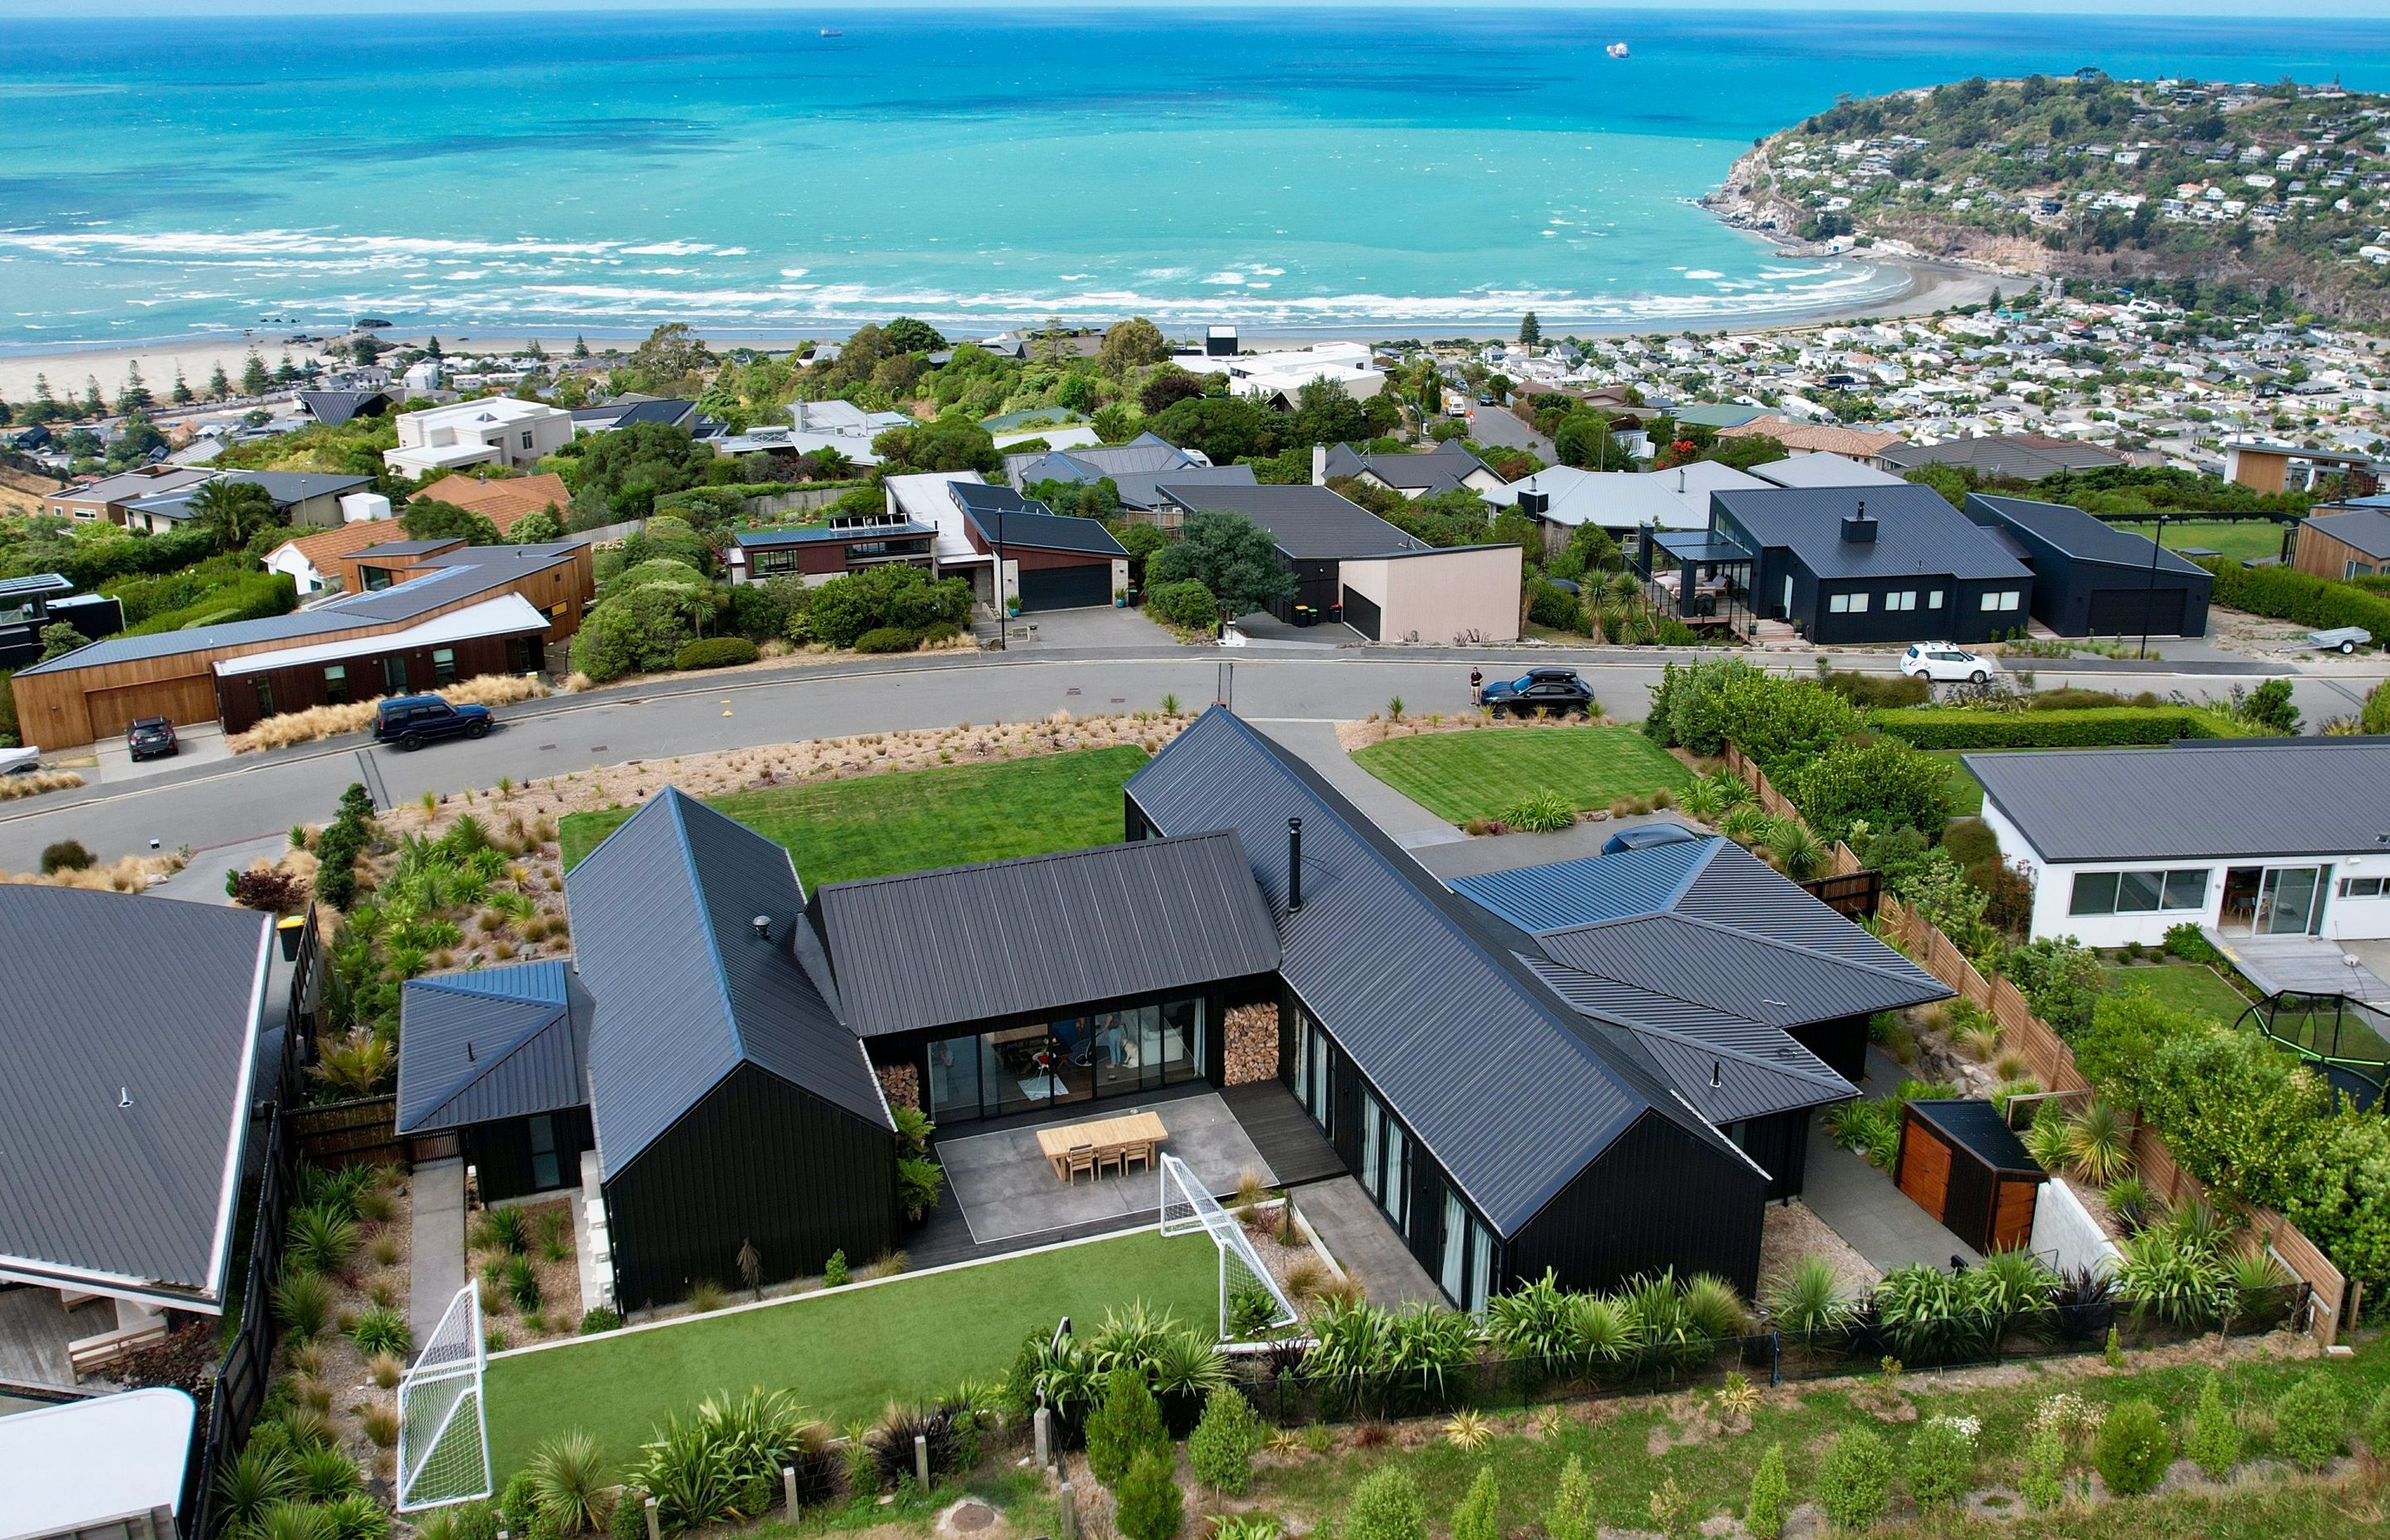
{"x": 187, "y": 699}
{"x": 1925, "y": 1168}
{"x": 2013, "y": 1215}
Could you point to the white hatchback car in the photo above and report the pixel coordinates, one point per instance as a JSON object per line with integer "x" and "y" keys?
{"x": 1944, "y": 663}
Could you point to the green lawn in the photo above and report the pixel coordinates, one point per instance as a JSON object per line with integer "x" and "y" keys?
{"x": 2184, "y": 985}
{"x": 1477, "y": 774}
{"x": 2239, "y": 539}
{"x": 875, "y": 826}
{"x": 844, "y": 1354}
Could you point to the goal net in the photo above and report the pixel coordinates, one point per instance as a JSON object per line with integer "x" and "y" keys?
{"x": 1251, "y": 1299}
{"x": 444, "y": 1444}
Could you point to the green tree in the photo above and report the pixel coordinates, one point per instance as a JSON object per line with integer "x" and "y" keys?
{"x": 1571, "y": 1514}
{"x": 2215, "y": 1443}
{"x": 1126, "y": 1424}
{"x": 624, "y": 472}
{"x": 429, "y": 519}
{"x": 182, "y": 396}
{"x": 218, "y": 385}
{"x": 1771, "y": 1495}
{"x": 949, "y": 444}
{"x": 537, "y": 527}
{"x": 2310, "y": 1421}
{"x": 58, "y": 638}
{"x": 1169, "y": 386}
{"x": 233, "y": 513}
{"x": 1149, "y": 1505}
{"x": 1886, "y": 784}
{"x": 135, "y": 396}
{"x": 907, "y": 335}
{"x": 1385, "y": 1506}
{"x": 2375, "y": 717}
{"x": 285, "y": 372}
{"x": 1116, "y": 422}
{"x": 1224, "y": 429}
{"x": 1221, "y": 1450}
{"x": 580, "y": 346}
{"x": 672, "y": 362}
{"x": 2133, "y": 1447}
{"x": 1583, "y": 440}
{"x": 2268, "y": 708}
{"x": 1325, "y": 413}
{"x": 1743, "y": 452}
{"x": 1130, "y": 344}
{"x": 1229, "y": 555}
{"x": 1479, "y": 1516}
{"x": 1854, "y": 1478}
{"x": 1531, "y": 331}
{"x": 896, "y": 595}
{"x": 254, "y": 380}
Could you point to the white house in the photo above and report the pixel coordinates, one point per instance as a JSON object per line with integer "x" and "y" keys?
{"x": 2249, "y": 837}
{"x": 1279, "y": 377}
{"x": 493, "y": 431}
{"x": 1560, "y": 497}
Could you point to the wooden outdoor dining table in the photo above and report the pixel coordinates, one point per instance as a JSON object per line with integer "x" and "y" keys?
{"x": 1104, "y": 1136}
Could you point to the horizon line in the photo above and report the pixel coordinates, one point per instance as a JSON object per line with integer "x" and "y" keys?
{"x": 2089, "y": 10}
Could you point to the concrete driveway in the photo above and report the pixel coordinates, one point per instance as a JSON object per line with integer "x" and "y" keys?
{"x": 1104, "y": 629}
{"x": 201, "y": 743}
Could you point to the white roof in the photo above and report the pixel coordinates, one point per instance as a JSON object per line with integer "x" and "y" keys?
{"x": 505, "y": 615}
{"x": 1823, "y": 471}
{"x": 487, "y": 409}
{"x": 925, "y": 500}
{"x": 1675, "y": 499}
{"x": 93, "y": 1463}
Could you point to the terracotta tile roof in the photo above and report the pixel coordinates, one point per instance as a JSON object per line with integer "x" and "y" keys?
{"x": 325, "y": 548}
{"x": 501, "y": 501}
{"x": 1819, "y": 438}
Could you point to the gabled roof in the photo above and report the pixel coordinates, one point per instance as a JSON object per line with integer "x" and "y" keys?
{"x": 325, "y": 548}
{"x": 998, "y": 512}
{"x": 1447, "y": 466}
{"x": 1001, "y": 938}
{"x": 129, "y": 1026}
{"x": 2020, "y": 457}
{"x": 1147, "y": 453}
{"x": 1511, "y": 1095}
{"x": 504, "y": 501}
{"x": 2211, "y": 798}
{"x": 287, "y": 487}
{"x": 1918, "y": 533}
{"x": 494, "y": 1042}
{"x": 1308, "y": 523}
{"x": 2367, "y": 529}
{"x": 334, "y": 407}
{"x": 687, "y": 990}
{"x": 2077, "y": 534}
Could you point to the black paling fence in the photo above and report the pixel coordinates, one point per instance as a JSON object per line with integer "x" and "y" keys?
{"x": 1284, "y": 1393}
{"x": 237, "y": 1392}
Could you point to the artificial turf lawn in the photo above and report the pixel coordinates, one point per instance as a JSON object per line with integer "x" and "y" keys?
{"x": 845, "y": 1354}
{"x": 911, "y": 820}
{"x": 2238, "y": 539}
{"x": 1478, "y": 774}
{"x": 2184, "y": 985}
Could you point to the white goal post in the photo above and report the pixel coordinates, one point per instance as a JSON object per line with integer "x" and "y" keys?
{"x": 443, "y": 1440}
{"x": 1187, "y": 1207}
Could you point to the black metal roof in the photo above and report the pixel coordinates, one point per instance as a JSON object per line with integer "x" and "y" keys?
{"x": 1308, "y": 523}
{"x": 129, "y": 1027}
{"x": 494, "y": 1042}
{"x": 1918, "y": 533}
{"x": 2077, "y": 534}
{"x": 686, "y": 989}
{"x": 1003, "y": 514}
{"x": 2207, "y": 798}
{"x": 1977, "y": 1127}
{"x": 1003, "y": 938}
{"x": 334, "y": 407}
{"x": 1513, "y": 1096}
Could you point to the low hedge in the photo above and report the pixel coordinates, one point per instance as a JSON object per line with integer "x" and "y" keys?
{"x": 2283, "y": 594}
{"x": 255, "y": 597}
{"x": 2098, "y": 726}
{"x": 715, "y": 652}
{"x": 887, "y": 638}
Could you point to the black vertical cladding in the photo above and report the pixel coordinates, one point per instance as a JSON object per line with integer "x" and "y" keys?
{"x": 756, "y": 1160}
{"x": 1656, "y": 1198}
{"x": 500, "y": 1153}
{"x": 1779, "y": 1145}
{"x": 1840, "y": 1042}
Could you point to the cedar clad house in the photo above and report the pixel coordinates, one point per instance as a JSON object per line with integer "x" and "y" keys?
{"x": 1602, "y": 1067}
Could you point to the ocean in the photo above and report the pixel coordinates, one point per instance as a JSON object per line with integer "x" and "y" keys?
{"x": 791, "y": 172}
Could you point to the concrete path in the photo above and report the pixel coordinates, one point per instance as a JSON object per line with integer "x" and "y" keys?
{"x": 1006, "y": 1189}
{"x": 1365, "y": 1245}
{"x": 1863, "y": 1207}
{"x": 202, "y": 881}
{"x": 1404, "y": 821}
{"x": 436, "y": 1261}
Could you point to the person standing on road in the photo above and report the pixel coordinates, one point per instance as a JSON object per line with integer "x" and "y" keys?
{"x": 1476, "y": 687}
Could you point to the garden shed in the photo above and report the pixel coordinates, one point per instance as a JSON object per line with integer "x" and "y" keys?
{"x": 1960, "y": 1162}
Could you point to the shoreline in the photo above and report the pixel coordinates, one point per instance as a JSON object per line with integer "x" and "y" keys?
{"x": 1929, "y": 286}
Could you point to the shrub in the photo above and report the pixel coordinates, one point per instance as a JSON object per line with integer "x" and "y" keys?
{"x": 1126, "y": 1424}
{"x": 67, "y": 855}
{"x": 2309, "y": 1421}
{"x": 1571, "y": 1515}
{"x": 1771, "y": 1495}
{"x": 2215, "y": 1443}
{"x": 382, "y": 1330}
{"x": 597, "y": 1320}
{"x": 1221, "y": 1450}
{"x": 1385, "y": 1506}
{"x": 1778, "y": 722}
{"x": 889, "y": 597}
{"x": 567, "y": 1479}
{"x": 1941, "y": 1459}
{"x": 1149, "y": 1505}
{"x": 2286, "y": 594}
{"x": 630, "y": 1516}
{"x": 2045, "y": 1467}
{"x": 1885, "y": 785}
{"x": 887, "y": 638}
{"x": 2188, "y": 942}
{"x": 1541, "y": 813}
{"x": 834, "y": 1271}
{"x": 1478, "y": 1515}
{"x": 715, "y": 652}
{"x": 2377, "y": 1427}
{"x": 2133, "y": 1448}
{"x": 303, "y": 1302}
{"x": 1854, "y": 1478}
{"x": 266, "y": 890}
{"x": 1185, "y": 604}
{"x": 1970, "y": 728}
{"x": 322, "y": 1238}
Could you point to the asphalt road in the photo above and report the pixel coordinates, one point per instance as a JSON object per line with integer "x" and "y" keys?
{"x": 211, "y": 806}
{"x": 1496, "y": 428}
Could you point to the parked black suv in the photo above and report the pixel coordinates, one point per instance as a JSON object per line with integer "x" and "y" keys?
{"x": 1540, "y": 692}
{"x": 151, "y": 738}
{"x": 412, "y": 721}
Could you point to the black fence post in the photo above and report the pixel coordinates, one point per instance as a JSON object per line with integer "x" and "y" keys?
{"x": 1776, "y": 1358}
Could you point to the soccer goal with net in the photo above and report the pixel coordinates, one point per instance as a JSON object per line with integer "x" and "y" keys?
{"x": 443, "y": 1441}
{"x": 1247, "y": 1288}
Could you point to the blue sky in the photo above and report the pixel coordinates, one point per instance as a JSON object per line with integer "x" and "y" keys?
{"x": 1644, "y": 17}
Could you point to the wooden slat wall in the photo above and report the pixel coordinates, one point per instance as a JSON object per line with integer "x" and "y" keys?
{"x": 2053, "y": 1065}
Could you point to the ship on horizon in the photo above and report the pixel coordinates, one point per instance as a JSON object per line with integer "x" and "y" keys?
{"x": 1616, "y": 50}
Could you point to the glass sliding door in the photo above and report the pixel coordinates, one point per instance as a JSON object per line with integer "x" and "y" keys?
{"x": 1385, "y": 1160}
{"x": 1315, "y": 1076}
{"x": 1466, "y": 1266}
{"x": 2286, "y": 903}
{"x": 1068, "y": 1059}
{"x": 954, "y": 1078}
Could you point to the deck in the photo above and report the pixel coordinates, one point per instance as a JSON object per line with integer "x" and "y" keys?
{"x": 1284, "y": 1133}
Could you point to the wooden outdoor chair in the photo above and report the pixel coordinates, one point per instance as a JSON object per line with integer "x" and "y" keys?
{"x": 1080, "y": 1158}
{"x": 1141, "y": 1153}
{"x": 1110, "y": 1156}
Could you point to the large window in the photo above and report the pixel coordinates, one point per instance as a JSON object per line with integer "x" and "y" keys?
{"x": 1995, "y": 599}
{"x": 1314, "y": 1072}
{"x": 1847, "y": 603}
{"x": 1068, "y": 1059}
{"x": 1385, "y": 1159}
{"x": 2138, "y": 893}
{"x": 1467, "y": 1264}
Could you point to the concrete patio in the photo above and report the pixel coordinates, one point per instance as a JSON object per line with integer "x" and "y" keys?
{"x": 1882, "y": 1223}
{"x": 1006, "y": 1189}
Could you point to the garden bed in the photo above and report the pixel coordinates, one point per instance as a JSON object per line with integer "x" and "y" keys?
{"x": 523, "y": 1256}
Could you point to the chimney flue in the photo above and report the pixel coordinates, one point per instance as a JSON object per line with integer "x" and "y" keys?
{"x": 1293, "y": 866}
{"x": 763, "y": 924}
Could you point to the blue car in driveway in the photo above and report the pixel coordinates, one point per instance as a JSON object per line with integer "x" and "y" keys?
{"x": 412, "y": 721}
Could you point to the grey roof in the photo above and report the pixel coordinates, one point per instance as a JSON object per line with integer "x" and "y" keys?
{"x": 1144, "y": 491}
{"x": 2077, "y": 534}
{"x": 1822, "y": 470}
{"x": 687, "y": 990}
{"x": 826, "y": 534}
{"x": 1026, "y": 521}
{"x": 1309, "y": 523}
{"x": 1917, "y": 532}
{"x": 1447, "y": 466}
{"x": 105, "y": 997}
{"x": 2367, "y": 529}
{"x": 2205, "y": 799}
{"x": 968, "y": 944}
{"x": 1145, "y": 453}
{"x": 34, "y": 583}
{"x": 668, "y": 410}
{"x": 337, "y": 407}
{"x": 492, "y": 1043}
{"x": 408, "y": 548}
{"x": 1512, "y": 1095}
{"x": 2018, "y": 456}
{"x": 287, "y": 487}
{"x": 128, "y": 486}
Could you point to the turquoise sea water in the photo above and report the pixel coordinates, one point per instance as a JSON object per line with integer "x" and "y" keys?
{"x": 1396, "y": 170}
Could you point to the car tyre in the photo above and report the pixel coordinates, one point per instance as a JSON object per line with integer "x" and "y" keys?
{"x": 478, "y": 729}
{"x": 2347, "y": 648}
{"x": 1978, "y": 677}
{"x": 410, "y": 743}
